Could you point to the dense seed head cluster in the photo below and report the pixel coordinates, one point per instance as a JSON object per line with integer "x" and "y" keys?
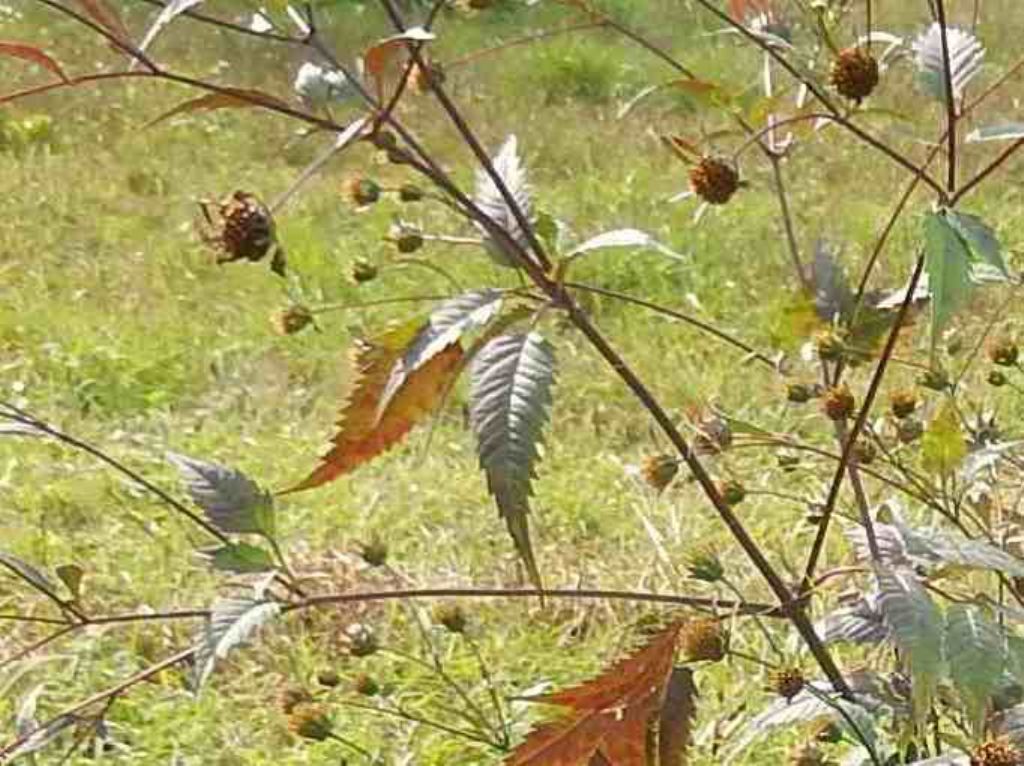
{"x": 854, "y": 74}
{"x": 704, "y": 641}
{"x": 999, "y": 752}
{"x": 714, "y": 180}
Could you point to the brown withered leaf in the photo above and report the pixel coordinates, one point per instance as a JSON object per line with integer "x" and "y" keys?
{"x": 381, "y": 57}
{"x": 230, "y": 98}
{"x": 107, "y": 17}
{"x": 608, "y": 718}
{"x": 32, "y": 53}
{"x": 362, "y": 434}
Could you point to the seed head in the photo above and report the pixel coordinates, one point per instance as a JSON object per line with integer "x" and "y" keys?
{"x": 363, "y": 271}
{"x": 997, "y": 752}
{"x": 714, "y": 180}
{"x": 705, "y": 566}
{"x": 854, "y": 74}
{"x": 909, "y": 430}
{"x": 997, "y": 378}
{"x": 408, "y": 239}
{"x": 903, "y": 403}
{"x": 732, "y": 492}
{"x": 375, "y": 552}
{"x": 362, "y": 641}
{"x": 787, "y": 682}
{"x": 839, "y": 403}
{"x": 704, "y": 641}
{"x": 830, "y": 345}
{"x": 864, "y": 452}
{"x": 1004, "y": 353}
{"x": 451, "y": 617}
{"x": 292, "y": 319}
{"x": 241, "y": 228}
{"x": 935, "y": 380}
{"x": 366, "y": 685}
{"x": 291, "y": 697}
{"x": 361, "y": 191}
{"x": 799, "y": 393}
{"x": 311, "y": 722}
{"x": 410, "y": 193}
{"x": 328, "y": 678}
{"x": 659, "y": 470}
{"x": 714, "y": 435}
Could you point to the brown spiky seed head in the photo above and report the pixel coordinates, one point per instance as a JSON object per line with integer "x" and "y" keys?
{"x": 704, "y": 641}
{"x": 799, "y": 393}
{"x": 1004, "y": 353}
{"x": 830, "y": 345}
{"x": 311, "y": 722}
{"x": 362, "y": 641}
{"x": 366, "y": 685}
{"x": 410, "y": 193}
{"x": 864, "y": 452}
{"x": 409, "y": 241}
{"x": 838, "y": 403}
{"x": 935, "y": 380}
{"x": 998, "y": 752}
{"x": 714, "y": 180}
{"x": 903, "y": 403}
{"x": 245, "y": 229}
{"x": 854, "y": 74}
{"x": 363, "y": 271}
{"x": 714, "y": 435}
{"x": 659, "y": 470}
{"x": 451, "y": 617}
{"x": 909, "y": 430}
{"x": 807, "y": 755}
{"x": 361, "y": 191}
{"x": 787, "y": 682}
{"x": 704, "y": 565}
{"x": 291, "y": 697}
{"x": 375, "y": 552}
{"x": 292, "y": 319}
{"x": 732, "y": 491}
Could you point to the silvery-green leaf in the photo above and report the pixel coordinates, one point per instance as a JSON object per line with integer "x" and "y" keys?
{"x": 623, "y": 238}
{"x": 27, "y": 572}
{"x": 915, "y": 626}
{"x": 980, "y": 238}
{"x": 987, "y": 457}
{"x": 511, "y": 382}
{"x": 892, "y": 547}
{"x": 231, "y": 500}
{"x": 937, "y": 548}
{"x": 489, "y": 199}
{"x": 240, "y": 558}
{"x": 948, "y": 261}
{"x": 232, "y": 621}
{"x": 1012, "y": 131}
{"x": 858, "y": 623}
{"x": 975, "y": 646}
{"x": 448, "y": 322}
{"x": 965, "y": 56}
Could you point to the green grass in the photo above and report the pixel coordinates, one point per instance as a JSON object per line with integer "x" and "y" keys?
{"x": 116, "y": 325}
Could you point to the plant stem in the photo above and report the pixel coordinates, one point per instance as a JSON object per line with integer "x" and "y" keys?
{"x": 947, "y": 73}
{"x": 787, "y": 221}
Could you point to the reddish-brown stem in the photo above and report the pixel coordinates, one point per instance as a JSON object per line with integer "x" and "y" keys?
{"x": 947, "y": 74}
{"x": 858, "y": 426}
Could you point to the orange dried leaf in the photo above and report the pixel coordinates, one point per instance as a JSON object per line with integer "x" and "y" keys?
{"x": 740, "y": 9}
{"x": 231, "y": 98}
{"x": 363, "y": 435}
{"x": 609, "y": 717}
{"x": 380, "y": 57}
{"x": 33, "y": 54}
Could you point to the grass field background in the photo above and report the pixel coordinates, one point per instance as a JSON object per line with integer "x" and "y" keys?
{"x": 116, "y": 325}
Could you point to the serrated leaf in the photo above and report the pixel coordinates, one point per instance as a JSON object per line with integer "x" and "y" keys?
{"x": 980, "y": 238}
{"x": 1012, "y": 131}
{"x": 509, "y": 400}
{"x": 363, "y": 435}
{"x": 858, "y": 623}
{"x": 948, "y": 261}
{"x": 232, "y": 501}
{"x": 167, "y": 14}
{"x": 608, "y": 717}
{"x": 675, "y": 721}
{"x": 27, "y": 572}
{"x": 31, "y": 53}
{"x": 943, "y": 446}
{"x": 916, "y": 627}
{"x": 931, "y": 549}
{"x": 965, "y": 57}
{"x": 228, "y": 98}
{"x": 232, "y": 621}
{"x": 446, "y": 325}
{"x": 240, "y": 558}
{"x": 488, "y": 198}
{"x": 622, "y": 238}
{"x": 976, "y": 647}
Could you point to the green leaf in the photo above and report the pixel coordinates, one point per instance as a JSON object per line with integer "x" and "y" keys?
{"x": 232, "y": 501}
{"x": 980, "y": 238}
{"x": 511, "y": 383}
{"x": 948, "y": 261}
{"x": 943, "y": 447}
{"x": 936, "y": 548}
{"x": 975, "y": 644}
{"x": 446, "y": 325}
{"x": 240, "y": 558}
{"x": 232, "y": 621}
{"x": 915, "y": 626}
